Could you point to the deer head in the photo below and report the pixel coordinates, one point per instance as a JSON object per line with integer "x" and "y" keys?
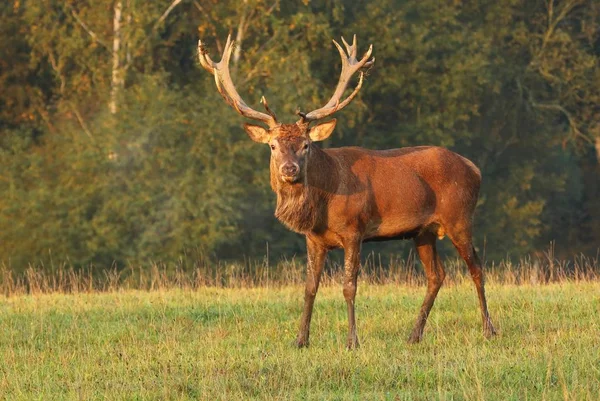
{"x": 290, "y": 143}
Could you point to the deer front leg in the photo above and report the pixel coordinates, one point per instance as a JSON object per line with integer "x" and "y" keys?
{"x": 315, "y": 263}
{"x": 351, "y": 266}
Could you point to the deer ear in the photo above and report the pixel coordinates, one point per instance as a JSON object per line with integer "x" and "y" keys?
{"x": 322, "y": 131}
{"x": 257, "y": 133}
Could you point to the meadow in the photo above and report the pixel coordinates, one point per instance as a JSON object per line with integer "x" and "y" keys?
{"x": 176, "y": 341}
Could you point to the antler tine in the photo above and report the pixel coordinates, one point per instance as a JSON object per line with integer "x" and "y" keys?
{"x": 350, "y": 49}
{"x": 350, "y": 65}
{"x": 218, "y": 79}
{"x": 354, "y": 92}
{"x": 205, "y": 59}
{"x": 226, "y": 87}
{"x": 227, "y": 51}
{"x": 368, "y": 63}
{"x": 342, "y": 54}
{"x": 263, "y": 100}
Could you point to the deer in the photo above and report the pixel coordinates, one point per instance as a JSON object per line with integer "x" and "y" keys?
{"x": 343, "y": 197}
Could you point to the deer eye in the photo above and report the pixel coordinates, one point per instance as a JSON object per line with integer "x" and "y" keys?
{"x": 305, "y": 146}
{"x": 272, "y": 147}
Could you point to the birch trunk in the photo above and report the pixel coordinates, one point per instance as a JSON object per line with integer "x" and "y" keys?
{"x": 237, "y": 51}
{"x": 117, "y": 79}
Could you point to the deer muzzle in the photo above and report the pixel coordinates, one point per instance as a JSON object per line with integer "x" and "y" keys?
{"x": 289, "y": 172}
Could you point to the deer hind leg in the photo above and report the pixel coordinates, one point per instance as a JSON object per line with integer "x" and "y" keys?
{"x": 351, "y": 266}
{"x": 434, "y": 271}
{"x": 464, "y": 245}
{"x": 314, "y": 268}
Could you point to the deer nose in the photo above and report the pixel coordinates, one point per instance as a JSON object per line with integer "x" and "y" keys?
{"x": 289, "y": 169}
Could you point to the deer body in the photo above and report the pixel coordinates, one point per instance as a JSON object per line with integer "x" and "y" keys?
{"x": 339, "y": 198}
{"x": 379, "y": 195}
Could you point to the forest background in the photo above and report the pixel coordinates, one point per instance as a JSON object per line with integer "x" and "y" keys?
{"x": 116, "y": 148}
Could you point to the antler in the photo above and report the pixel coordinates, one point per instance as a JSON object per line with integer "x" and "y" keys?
{"x": 349, "y": 66}
{"x": 226, "y": 87}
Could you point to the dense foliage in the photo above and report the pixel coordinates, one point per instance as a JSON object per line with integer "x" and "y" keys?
{"x": 115, "y": 146}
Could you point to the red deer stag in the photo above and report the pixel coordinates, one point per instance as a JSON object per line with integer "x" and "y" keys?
{"x": 339, "y": 198}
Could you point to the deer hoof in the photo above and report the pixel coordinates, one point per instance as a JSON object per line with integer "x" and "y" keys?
{"x": 352, "y": 344}
{"x": 489, "y": 331}
{"x": 301, "y": 343}
{"x": 415, "y": 338}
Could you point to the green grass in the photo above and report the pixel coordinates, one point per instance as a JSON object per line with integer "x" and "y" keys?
{"x": 235, "y": 344}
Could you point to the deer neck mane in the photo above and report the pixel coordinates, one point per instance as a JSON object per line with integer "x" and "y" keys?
{"x": 301, "y": 205}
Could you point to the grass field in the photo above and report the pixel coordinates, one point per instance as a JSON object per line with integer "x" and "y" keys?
{"x": 236, "y": 344}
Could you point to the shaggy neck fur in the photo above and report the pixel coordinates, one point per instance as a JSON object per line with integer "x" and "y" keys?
{"x": 301, "y": 206}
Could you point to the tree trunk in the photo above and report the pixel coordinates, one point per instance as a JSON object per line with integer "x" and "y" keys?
{"x": 237, "y": 51}
{"x": 117, "y": 78}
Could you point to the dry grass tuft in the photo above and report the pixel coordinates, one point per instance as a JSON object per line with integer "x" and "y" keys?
{"x": 194, "y": 274}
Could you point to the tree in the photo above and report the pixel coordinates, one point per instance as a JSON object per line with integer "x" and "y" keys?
{"x": 166, "y": 169}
